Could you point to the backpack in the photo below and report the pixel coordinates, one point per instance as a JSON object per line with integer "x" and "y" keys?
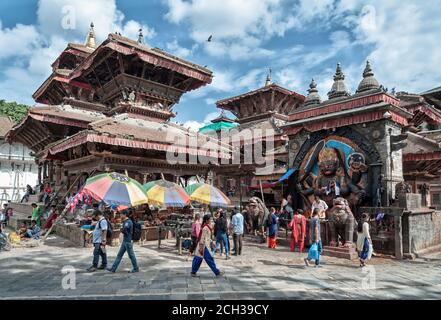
{"x": 109, "y": 229}
{"x": 137, "y": 230}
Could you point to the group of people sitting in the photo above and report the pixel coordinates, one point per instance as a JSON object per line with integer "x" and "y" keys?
{"x": 35, "y": 230}
{"x": 29, "y": 232}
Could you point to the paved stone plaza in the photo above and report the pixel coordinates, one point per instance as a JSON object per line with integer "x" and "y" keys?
{"x": 260, "y": 273}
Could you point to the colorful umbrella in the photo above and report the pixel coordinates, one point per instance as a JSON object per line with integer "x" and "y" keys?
{"x": 166, "y": 194}
{"x": 116, "y": 189}
{"x": 207, "y": 194}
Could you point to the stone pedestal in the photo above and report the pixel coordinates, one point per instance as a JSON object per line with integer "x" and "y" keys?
{"x": 409, "y": 201}
{"x": 341, "y": 252}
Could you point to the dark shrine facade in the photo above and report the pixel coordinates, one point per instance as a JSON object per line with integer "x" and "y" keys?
{"x": 354, "y": 146}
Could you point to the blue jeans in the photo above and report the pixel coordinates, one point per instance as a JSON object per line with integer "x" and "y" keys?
{"x": 223, "y": 241}
{"x": 208, "y": 259}
{"x": 125, "y": 246}
{"x": 32, "y": 235}
{"x": 97, "y": 252}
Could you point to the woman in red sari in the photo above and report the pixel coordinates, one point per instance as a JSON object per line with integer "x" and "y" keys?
{"x": 298, "y": 228}
{"x": 52, "y": 217}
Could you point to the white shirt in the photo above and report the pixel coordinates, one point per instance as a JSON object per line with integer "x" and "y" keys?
{"x": 321, "y": 205}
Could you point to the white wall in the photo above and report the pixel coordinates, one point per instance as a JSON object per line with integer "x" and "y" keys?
{"x": 17, "y": 169}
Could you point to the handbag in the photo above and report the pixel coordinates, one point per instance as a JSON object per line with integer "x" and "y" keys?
{"x": 313, "y": 253}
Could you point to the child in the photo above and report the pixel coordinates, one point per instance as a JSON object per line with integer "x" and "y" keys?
{"x": 272, "y": 228}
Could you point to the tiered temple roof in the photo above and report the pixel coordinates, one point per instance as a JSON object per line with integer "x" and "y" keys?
{"x": 108, "y": 106}
{"x": 47, "y": 124}
{"x": 269, "y": 101}
{"x": 220, "y": 124}
{"x": 370, "y": 103}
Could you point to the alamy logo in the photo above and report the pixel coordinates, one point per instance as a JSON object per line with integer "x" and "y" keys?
{"x": 69, "y": 281}
{"x": 368, "y": 281}
{"x": 68, "y": 21}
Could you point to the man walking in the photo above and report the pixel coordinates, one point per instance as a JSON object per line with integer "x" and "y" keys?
{"x": 237, "y": 225}
{"x": 126, "y": 245}
{"x": 99, "y": 242}
{"x": 315, "y": 239}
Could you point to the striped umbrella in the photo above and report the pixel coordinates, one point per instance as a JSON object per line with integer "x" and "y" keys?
{"x": 116, "y": 189}
{"x": 207, "y": 194}
{"x": 166, "y": 194}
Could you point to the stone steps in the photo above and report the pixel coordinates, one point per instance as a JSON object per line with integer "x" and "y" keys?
{"x": 21, "y": 208}
{"x": 341, "y": 252}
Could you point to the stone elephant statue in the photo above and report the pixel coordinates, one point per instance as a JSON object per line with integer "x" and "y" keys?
{"x": 257, "y": 214}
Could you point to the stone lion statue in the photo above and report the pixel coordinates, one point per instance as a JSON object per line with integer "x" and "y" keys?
{"x": 341, "y": 222}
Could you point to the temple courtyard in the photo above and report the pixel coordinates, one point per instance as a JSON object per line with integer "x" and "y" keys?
{"x": 260, "y": 273}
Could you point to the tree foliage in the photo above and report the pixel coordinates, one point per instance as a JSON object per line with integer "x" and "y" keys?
{"x": 14, "y": 110}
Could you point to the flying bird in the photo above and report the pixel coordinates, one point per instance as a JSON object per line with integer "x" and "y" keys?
{"x": 209, "y": 38}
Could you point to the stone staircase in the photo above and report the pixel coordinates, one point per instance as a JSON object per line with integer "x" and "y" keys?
{"x": 21, "y": 213}
{"x": 341, "y": 252}
{"x": 282, "y": 239}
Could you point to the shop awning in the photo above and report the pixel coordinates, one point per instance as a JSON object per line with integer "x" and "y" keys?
{"x": 271, "y": 185}
{"x": 286, "y": 175}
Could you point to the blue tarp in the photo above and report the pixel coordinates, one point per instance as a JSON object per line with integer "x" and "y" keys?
{"x": 286, "y": 175}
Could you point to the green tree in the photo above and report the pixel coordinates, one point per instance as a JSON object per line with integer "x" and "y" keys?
{"x": 14, "y": 110}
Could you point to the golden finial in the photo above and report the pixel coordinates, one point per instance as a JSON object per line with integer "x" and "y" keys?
{"x": 268, "y": 78}
{"x": 90, "y": 39}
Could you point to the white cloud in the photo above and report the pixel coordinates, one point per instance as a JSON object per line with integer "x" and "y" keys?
{"x": 405, "y": 39}
{"x": 295, "y": 66}
{"x": 210, "y": 101}
{"x": 238, "y": 27}
{"x": 178, "y": 50}
{"x": 18, "y": 41}
{"x": 72, "y": 19}
{"x": 131, "y": 30}
{"x": 196, "y": 125}
{"x": 312, "y": 9}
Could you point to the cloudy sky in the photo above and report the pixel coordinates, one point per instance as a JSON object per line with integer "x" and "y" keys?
{"x": 298, "y": 39}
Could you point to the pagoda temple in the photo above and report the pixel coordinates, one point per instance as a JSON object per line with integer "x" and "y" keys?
{"x": 264, "y": 110}
{"x": 108, "y": 108}
{"x": 220, "y": 124}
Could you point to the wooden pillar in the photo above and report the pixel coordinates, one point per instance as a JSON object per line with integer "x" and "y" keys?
{"x": 44, "y": 170}
{"x": 40, "y": 180}
{"x": 398, "y": 237}
{"x": 58, "y": 172}
{"x": 51, "y": 171}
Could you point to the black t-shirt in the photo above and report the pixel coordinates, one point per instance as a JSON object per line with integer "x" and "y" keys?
{"x": 220, "y": 225}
